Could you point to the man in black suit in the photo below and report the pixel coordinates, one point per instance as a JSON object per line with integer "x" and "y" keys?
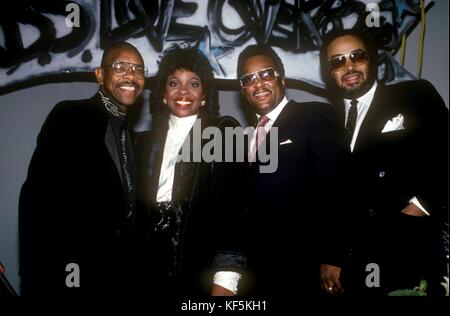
{"x": 397, "y": 136}
{"x": 289, "y": 210}
{"x": 77, "y": 205}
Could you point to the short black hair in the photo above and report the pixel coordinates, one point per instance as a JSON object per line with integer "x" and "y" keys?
{"x": 249, "y": 52}
{"x": 255, "y": 50}
{"x": 114, "y": 47}
{"x": 364, "y": 36}
{"x": 191, "y": 59}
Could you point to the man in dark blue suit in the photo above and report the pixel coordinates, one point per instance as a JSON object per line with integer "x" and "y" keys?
{"x": 289, "y": 211}
{"x": 397, "y": 136}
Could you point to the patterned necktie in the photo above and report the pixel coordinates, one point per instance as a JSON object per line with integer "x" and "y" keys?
{"x": 260, "y": 130}
{"x": 351, "y": 120}
{"x": 260, "y": 135}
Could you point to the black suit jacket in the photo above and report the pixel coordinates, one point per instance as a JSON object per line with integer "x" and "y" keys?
{"x": 205, "y": 193}
{"x": 291, "y": 211}
{"x": 72, "y": 206}
{"x": 397, "y": 165}
{"x": 388, "y": 170}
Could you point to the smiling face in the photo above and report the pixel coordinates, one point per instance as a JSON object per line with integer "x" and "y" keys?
{"x": 263, "y": 96}
{"x": 353, "y": 78}
{"x": 123, "y": 89}
{"x": 184, "y": 93}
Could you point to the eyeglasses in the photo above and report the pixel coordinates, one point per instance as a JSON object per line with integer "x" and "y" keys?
{"x": 266, "y": 74}
{"x": 357, "y": 57}
{"x": 120, "y": 68}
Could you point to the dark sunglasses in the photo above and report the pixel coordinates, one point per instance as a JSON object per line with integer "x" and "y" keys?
{"x": 266, "y": 74}
{"x": 357, "y": 57}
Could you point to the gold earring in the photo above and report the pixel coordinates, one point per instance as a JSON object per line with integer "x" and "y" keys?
{"x": 203, "y": 103}
{"x": 164, "y": 101}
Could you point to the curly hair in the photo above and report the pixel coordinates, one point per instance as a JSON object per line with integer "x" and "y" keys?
{"x": 191, "y": 59}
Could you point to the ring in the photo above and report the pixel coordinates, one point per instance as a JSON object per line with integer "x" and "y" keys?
{"x": 330, "y": 288}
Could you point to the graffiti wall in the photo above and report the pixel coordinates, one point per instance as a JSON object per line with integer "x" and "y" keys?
{"x": 44, "y": 39}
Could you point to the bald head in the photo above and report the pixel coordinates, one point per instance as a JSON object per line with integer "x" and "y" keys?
{"x": 111, "y": 52}
{"x": 118, "y": 76}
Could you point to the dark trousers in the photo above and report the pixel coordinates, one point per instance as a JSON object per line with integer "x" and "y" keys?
{"x": 406, "y": 250}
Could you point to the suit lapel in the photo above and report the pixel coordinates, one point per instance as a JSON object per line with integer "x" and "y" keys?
{"x": 282, "y": 122}
{"x": 155, "y": 157}
{"x": 341, "y": 112}
{"x": 111, "y": 145}
{"x": 185, "y": 173}
{"x": 373, "y": 122}
{"x": 282, "y": 126}
{"x": 110, "y": 142}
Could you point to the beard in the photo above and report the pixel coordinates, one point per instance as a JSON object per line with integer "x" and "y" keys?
{"x": 356, "y": 91}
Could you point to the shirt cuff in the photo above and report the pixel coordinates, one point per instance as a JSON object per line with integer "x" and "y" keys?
{"x": 228, "y": 280}
{"x": 417, "y": 203}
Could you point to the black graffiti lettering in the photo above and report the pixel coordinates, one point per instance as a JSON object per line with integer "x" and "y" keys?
{"x": 258, "y": 19}
{"x": 388, "y": 36}
{"x": 184, "y": 32}
{"x": 332, "y": 15}
{"x": 230, "y": 37}
{"x": 159, "y": 14}
{"x": 296, "y": 26}
{"x": 74, "y": 42}
{"x": 128, "y": 26}
{"x": 156, "y": 20}
{"x": 13, "y": 54}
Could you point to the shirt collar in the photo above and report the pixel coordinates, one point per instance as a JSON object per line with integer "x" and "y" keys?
{"x": 181, "y": 123}
{"x": 273, "y": 115}
{"x": 366, "y": 98}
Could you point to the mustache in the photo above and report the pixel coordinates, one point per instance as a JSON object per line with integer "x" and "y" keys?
{"x": 261, "y": 90}
{"x": 129, "y": 83}
{"x": 351, "y": 73}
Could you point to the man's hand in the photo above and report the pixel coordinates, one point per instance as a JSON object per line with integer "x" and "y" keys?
{"x": 218, "y": 290}
{"x": 413, "y": 210}
{"x": 329, "y": 279}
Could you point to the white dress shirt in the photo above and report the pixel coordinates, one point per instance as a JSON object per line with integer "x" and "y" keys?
{"x": 363, "y": 106}
{"x": 179, "y": 128}
{"x": 272, "y": 115}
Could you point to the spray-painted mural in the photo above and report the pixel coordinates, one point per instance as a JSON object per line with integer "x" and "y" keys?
{"x": 39, "y": 39}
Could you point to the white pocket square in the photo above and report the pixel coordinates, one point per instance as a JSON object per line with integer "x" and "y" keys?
{"x": 394, "y": 124}
{"x": 286, "y": 142}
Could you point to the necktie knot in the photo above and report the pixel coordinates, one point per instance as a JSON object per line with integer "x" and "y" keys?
{"x": 263, "y": 120}
{"x": 260, "y": 135}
